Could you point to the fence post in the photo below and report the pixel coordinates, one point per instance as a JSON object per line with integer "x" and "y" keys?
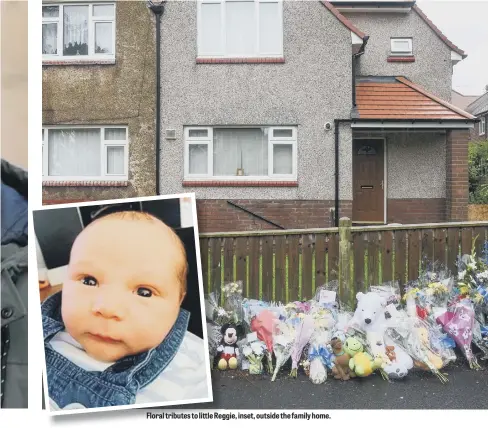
{"x": 346, "y": 286}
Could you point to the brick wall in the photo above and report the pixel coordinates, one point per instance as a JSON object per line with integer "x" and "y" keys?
{"x": 413, "y": 211}
{"x": 457, "y": 188}
{"x": 216, "y": 215}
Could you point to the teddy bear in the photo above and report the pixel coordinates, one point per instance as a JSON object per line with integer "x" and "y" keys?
{"x": 363, "y": 364}
{"x": 372, "y": 317}
{"x": 228, "y": 351}
{"x": 341, "y": 363}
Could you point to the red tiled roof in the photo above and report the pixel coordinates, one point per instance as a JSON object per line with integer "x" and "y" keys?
{"x": 439, "y": 32}
{"x": 343, "y": 19}
{"x": 399, "y": 98}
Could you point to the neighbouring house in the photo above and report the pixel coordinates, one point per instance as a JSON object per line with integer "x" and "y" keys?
{"x": 285, "y": 114}
{"x": 479, "y": 108}
{"x": 98, "y": 100}
{"x": 462, "y": 101}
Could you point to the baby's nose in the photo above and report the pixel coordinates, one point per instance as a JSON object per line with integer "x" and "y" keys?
{"x": 108, "y": 305}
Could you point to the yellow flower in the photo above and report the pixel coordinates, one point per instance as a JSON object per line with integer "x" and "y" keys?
{"x": 464, "y": 290}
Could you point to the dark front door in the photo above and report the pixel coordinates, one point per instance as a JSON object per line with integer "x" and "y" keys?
{"x": 368, "y": 163}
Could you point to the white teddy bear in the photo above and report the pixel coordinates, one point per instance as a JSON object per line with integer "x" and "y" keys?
{"x": 372, "y": 318}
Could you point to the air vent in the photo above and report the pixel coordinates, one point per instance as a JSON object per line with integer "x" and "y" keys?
{"x": 171, "y": 134}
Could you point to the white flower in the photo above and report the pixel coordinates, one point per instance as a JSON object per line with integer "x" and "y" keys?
{"x": 466, "y": 333}
{"x": 461, "y": 275}
{"x": 482, "y": 276}
{"x": 453, "y": 330}
{"x": 472, "y": 265}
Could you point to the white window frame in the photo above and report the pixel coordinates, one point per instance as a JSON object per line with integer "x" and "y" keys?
{"x": 292, "y": 141}
{"x": 224, "y": 54}
{"x": 483, "y": 125}
{"x": 92, "y": 20}
{"x": 104, "y": 144}
{"x": 393, "y": 51}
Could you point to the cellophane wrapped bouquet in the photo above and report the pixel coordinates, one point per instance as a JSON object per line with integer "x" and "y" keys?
{"x": 320, "y": 356}
{"x": 284, "y": 335}
{"x": 264, "y": 325}
{"x": 232, "y": 295}
{"x": 303, "y": 334}
{"x": 412, "y": 334}
{"x": 254, "y": 351}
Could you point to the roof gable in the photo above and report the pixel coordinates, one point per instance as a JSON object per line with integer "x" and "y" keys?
{"x": 479, "y": 106}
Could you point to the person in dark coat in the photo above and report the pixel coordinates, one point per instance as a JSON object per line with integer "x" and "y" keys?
{"x": 14, "y": 236}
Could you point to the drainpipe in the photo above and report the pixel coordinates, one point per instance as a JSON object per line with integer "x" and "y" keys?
{"x": 157, "y": 7}
{"x": 337, "y": 123}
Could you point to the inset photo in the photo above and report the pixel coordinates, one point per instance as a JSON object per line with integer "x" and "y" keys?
{"x": 122, "y": 304}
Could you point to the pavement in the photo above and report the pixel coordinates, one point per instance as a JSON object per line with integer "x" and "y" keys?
{"x": 466, "y": 389}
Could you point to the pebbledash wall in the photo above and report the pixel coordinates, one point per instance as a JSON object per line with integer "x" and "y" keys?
{"x": 119, "y": 94}
{"x": 431, "y": 67}
{"x": 311, "y": 87}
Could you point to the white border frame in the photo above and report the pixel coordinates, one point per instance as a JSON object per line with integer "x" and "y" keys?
{"x": 92, "y": 20}
{"x": 202, "y": 307}
{"x": 385, "y": 178}
{"x": 224, "y": 54}
{"x": 103, "y": 154}
{"x": 293, "y": 141}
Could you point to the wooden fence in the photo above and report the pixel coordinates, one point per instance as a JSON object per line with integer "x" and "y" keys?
{"x": 288, "y": 265}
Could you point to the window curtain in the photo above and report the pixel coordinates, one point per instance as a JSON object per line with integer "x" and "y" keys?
{"x": 282, "y": 159}
{"x": 115, "y": 160}
{"x": 50, "y": 39}
{"x": 240, "y": 148}
{"x": 75, "y": 30}
{"x": 74, "y": 152}
{"x": 103, "y": 37}
{"x": 198, "y": 154}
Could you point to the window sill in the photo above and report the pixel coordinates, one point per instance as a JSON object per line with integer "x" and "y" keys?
{"x": 231, "y": 183}
{"x": 393, "y": 58}
{"x": 78, "y": 62}
{"x": 87, "y": 183}
{"x": 254, "y": 60}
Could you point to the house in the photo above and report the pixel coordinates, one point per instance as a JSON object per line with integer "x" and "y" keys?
{"x": 479, "y": 108}
{"x": 98, "y": 100}
{"x": 462, "y": 101}
{"x": 294, "y": 114}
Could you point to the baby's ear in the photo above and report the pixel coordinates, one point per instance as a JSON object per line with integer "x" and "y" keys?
{"x": 183, "y": 295}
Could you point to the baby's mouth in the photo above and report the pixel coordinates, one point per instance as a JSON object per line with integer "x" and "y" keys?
{"x": 103, "y": 338}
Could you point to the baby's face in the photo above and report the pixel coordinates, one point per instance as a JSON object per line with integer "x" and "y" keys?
{"x": 122, "y": 295}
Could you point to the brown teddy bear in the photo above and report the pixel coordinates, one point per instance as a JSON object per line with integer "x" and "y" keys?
{"x": 341, "y": 368}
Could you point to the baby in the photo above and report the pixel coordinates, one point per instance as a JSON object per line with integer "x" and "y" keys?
{"x": 116, "y": 335}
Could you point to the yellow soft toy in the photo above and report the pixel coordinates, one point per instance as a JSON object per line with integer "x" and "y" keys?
{"x": 363, "y": 364}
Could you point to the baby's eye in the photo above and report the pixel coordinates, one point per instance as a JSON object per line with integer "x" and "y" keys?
{"x": 89, "y": 280}
{"x": 144, "y": 292}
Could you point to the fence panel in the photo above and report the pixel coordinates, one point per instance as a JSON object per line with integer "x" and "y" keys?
{"x": 289, "y": 265}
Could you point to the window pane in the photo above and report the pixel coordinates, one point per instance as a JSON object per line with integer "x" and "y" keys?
{"x": 50, "y": 11}
{"x": 74, "y": 152}
{"x": 115, "y": 160}
{"x": 75, "y": 30}
{"x": 115, "y": 134}
{"x": 401, "y": 46}
{"x": 198, "y": 163}
{"x": 269, "y": 28}
{"x": 240, "y": 28}
{"x": 106, "y": 10}
{"x": 198, "y": 133}
{"x": 210, "y": 29}
{"x": 282, "y": 159}
{"x": 50, "y": 39}
{"x": 244, "y": 149}
{"x": 283, "y": 133}
{"x": 103, "y": 38}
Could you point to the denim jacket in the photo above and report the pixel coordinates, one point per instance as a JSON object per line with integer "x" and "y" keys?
{"x": 70, "y": 386}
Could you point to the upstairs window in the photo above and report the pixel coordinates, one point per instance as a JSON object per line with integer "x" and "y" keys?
{"x": 78, "y": 32}
{"x": 401, "y": 46}
{"x": 240, "y": 28}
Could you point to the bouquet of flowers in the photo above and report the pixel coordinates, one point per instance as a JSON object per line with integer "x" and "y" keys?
{"x": 320, "y": 356}
{"x": 283, "y": 341}
{"x": 254, "y": 352}
{"x": 264, "y": 325}
{"x": 232, "y": 293}
{"x": 218, "y": 314}
{"x": 412, "y": 335}
{"x": 458, "y": 322}
{"x": 303, "y": 334}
